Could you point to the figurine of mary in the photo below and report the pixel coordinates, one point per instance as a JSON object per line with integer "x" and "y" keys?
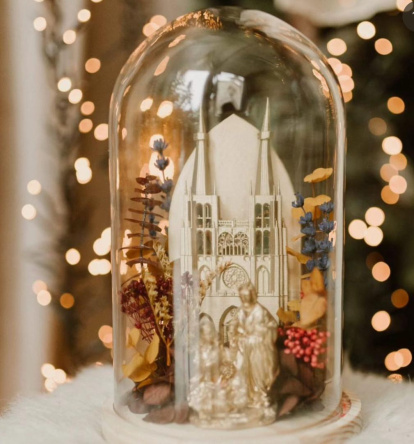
{"x": 255, "y": 334}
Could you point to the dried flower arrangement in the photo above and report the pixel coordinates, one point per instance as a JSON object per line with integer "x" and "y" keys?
{"x": 303, "y": 334}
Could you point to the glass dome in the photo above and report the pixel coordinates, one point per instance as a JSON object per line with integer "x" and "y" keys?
{"x": 227, "y": 166}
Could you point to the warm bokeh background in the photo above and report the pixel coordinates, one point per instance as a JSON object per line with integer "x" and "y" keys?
{"x": 59, "y": 61}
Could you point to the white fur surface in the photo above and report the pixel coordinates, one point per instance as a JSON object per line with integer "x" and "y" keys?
{"x": 72, "y": 414}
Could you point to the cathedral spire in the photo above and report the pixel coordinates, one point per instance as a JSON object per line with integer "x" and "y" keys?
{"x": 200, "y": 184}
{"x": 264, "y": 178}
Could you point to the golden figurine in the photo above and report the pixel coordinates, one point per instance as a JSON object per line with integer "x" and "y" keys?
{"x": 233, "y": 383}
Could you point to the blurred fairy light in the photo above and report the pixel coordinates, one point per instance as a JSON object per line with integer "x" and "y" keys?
{"x": 400, "y": 298}
{"x": 357, "y": 229}
{"x": 395, "y": 378}
{"x": 388, "y": 196}
{"x": 397, "y": 359}
{"x": 381, "y": 271}
{"x": 99, "y": 267}
{"x": 81, "y": 162}
{"x": 124, "y": 133}
{"x": 177, "y": 40}
{"x": 84, "y": 15}
{"x": 101, "y": 248}
{"x": 396, "y": 105}
{"x": 72, "y": 256}
{"x": 165, "y": 109}
{"x": 392, "y": 145}
{"x": 383, "y": 46}
{"x": 84, "y": 175}
{"x": 92, "y": 65}
{"x": 377, "y": 126}
{"x": 387, "y": 171}
{"x": 64, "y": 84}
{"x": 402, "y": 4}
{"x": 67, "y": 300}
{"x": 381, "y": 321}
{"x": 85, "y": 126}
{"x": 154, "y": 24}
{"x": 87, "y": 108}
{"x": 29, "y": 212}
{"x": 34, "y": 187}
{"x": 146, "y": 104}
{"x": 399, "y": 161}
{"x": 39, "y": 24}
{"x": 53, "y": 376}
{"x": 159, "y": 20}
{"x": 366, "y": 30}
{"x": 101, "y": 132}
{"x": 398, "y": 184}
{"x": 38, "y": 286}
{"x": 162, "y": 66}
{"x": 375, "y": 216}
{"x": 373, "y": 236}
{"x": 96, "y": 1}
{"x": 336, "y": 47}
{"x": 47, "y": 370}
{"x": 69, "y": 37}
{"x": 44, "y": 297}
{"x": 75, "y": 96}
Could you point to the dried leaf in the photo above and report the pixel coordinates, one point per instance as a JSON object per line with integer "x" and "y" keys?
{"x": 294, "y": 305}
{"x": 133, "y": 337}
{"x": 289, "y": 363}
{"x": 152, "y": 351}
{"x": 299, "y": 256}
{"x": 143, "y": 372}
{"x": 317, "y": 281}
{"x": 164, "y": 415}
{"x": 318, "y": 175}
{"x": 311, "y": 205}
{"x": 312, "y": 308}
{"x": 288, "y": 405}
{"x": 286, "y": 317}
{"x": 157, "y": 394}
{"x": 293, "y": 386}
{"x": 299, "y": 236}
{"x": 136, "y": 362}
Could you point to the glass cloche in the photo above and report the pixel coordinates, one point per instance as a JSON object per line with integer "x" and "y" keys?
{"x": 227, "y": 154}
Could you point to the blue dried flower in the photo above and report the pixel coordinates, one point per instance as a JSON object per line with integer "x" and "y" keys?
{"x": 306, "y": 219}
{"x": 153, "y": 233}
{"x": 324, "y": 246}
{"x": 310, "y": 265}
{"x": 324, "y": 263}
{"x": 309, "y": 230}
{"x": 167, "y": 186}
{"x": 327, "y": 207}
{"x": 326, "y": 225}
{"x": 309, "y": 246}
{"x": 162, "y": 163}
{"x": 166, "y": 204}
{"x": 159, "y": 146}
{"x": 300, "y": 201}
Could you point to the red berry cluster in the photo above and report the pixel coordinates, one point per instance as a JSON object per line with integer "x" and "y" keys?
{"x": 307, "y": 345}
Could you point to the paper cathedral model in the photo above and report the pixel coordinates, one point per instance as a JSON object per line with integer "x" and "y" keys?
{"x": 227, "y": 167}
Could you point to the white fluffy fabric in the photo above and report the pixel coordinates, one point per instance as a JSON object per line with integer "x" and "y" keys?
{"x": 72, "y": 414}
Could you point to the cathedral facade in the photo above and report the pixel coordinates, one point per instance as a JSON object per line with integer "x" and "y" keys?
{"x": 255, "y": 247}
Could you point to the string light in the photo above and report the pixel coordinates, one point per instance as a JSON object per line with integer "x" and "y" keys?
{"x": 101, "y": 132}
{"x": 390, "y": 362}
{"x": 177, "y": 40}
{"x": 92, "y": 65}
{"x": 44, "y": 297}
{"x": 406, "y": 355}
{"x": 375, "y": 216}
{"x": 377, "y": 126}
{"x": 47, "y": 370}
{"x": 373, "y": 236}
{"x": 336, "y": 47}
{"x": 67, "y": 300}
{"x": 149, "y": 28}
{"x": 39, "y": 24}
{"x": 392, "y": 145}
{"x": 72, "y": 256}
{"x": 387, "y": 171}
{"x": 99, "y": 267}
{"x": 75, "y": 96}
{"x": 402, "y": 4}
{"x": 34, "y": 187}
{"x": 85, "y": 125}
{"x": 400, "y": 298}
{"x": 96, "y": 1}
{"x": 38, "y": 286}
{"x": 388, "y": 196}
{"x": 87, "y": 108}
{"x": 159, "y": 20}
{"x": 396, "y": 105}
{"x": 398, "y": 184}
{"x": 366, "y": 30}
{"x": 69, "y": 37}
{"x": 381, "y": 271}
{"x": 398, "y": 161}
{"x": 29, "y": 212}
{"x": 357, "y": 229}
{"x": 64, "y": 84}
{"x": 146, "y": 104}
{"x": 381, "y": 321}
{"x": 383, "y": 46}
{"x": 81, "y": 163}
{"x": 165, "y": 109}
{"x": 162, "y": 66}
{"x": 84, "y": 15}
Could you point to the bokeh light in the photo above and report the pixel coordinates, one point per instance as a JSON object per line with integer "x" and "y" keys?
{"x": 396, "y": 105}
{"x": 383, "y": 46}
{"x": 67, "y": 300}
{"x": 34, "y": 187}
{"x": 29, "y": 212}
{"x": 399, "y": 161}
{"x": 381, "y": 321}
{"x": 64, "y": 84}
{"x": 390, "y": 362}
{"x": 165, "y": 109}
{"x": 75, "y": 96}
{"x": 392, "y": 145}
{"x": 40, "y": 24}
{"x": 146, "y": 104}
{"x": 162, "y": 66}
{"x": 375, "y": 216}
{"x": 388, "y": 196}
{"x": 377, "y": 126}
{"x": 72, "y": 256}
{"x": 357, "y": 229}
{"x": 87, "y": 108}
{"x": 84, "y": 15}
{"x": 38, "y": 286}
{"x": 69, "y": 37}
{"x": 44, "y": 297}
{"x": 400, "y": 298}
{"x": 101, "y": 132}
{"x": 373, "y": 236}
{"x": 47, "y": 370}
{"x": 402, "y": 4}
{"x": 92, "y": 65}
{"x": 381, "y": 271}
{"x": 398, "y": 184}
{"x": 366, "y": 30}
{"x": 85, "y": 125}
{"x": 406, "y": 355}
{"x": 336, "y": 47}
{"x": 387, "y": 171}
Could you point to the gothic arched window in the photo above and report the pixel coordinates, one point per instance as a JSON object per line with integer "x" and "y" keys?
{"x": 225, "y": 244}
{"x": 199, "y": 212}
{"x": 258, "y": 242}
{"x": 200, "y": 242}
{"x": 241, "y": 244}
{"x": 258, "y": 215}
{"x": 262, "y": 281}
{"x": 266, "y": 242}
{"x": 266, "y": 216}
{"x": 208, "y": 242}
{"x": 207, "y": 215}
